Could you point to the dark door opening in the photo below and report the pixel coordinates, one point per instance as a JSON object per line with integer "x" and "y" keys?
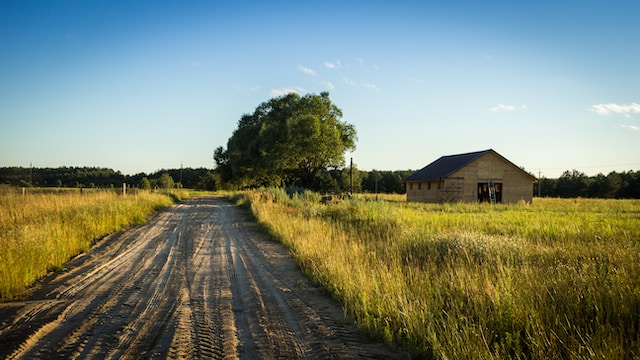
{"x": 483, "y": 192}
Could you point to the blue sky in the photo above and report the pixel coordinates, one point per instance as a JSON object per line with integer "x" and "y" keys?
{"x": 139, "y": 86}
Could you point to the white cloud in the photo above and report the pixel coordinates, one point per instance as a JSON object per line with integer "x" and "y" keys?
{"x": 611, "y": 108}
{"x": 285, "y": 91}
{"x": 307, "y": 70}
{"x": 347, "y": 80}
{"x": 502, "y": 108}
{"x": 507, "y": 108}
{"x": 329, "y": 85}
{"x": 371, "y": 86}
{"x": 333, "y": 65}
{"x": 251, "y": 88}
{"x": 630, "y": 127}
{"x": 360, "y": 84}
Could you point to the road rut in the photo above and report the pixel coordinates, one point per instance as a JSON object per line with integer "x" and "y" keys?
{"x": 198, "y": 280}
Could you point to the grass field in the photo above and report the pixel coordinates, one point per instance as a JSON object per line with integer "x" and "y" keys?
{"x": 41, "y": 230}
{"x": 553, "y": 279}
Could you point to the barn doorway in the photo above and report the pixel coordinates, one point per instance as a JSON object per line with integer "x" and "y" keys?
{"x": 483, "y": 192}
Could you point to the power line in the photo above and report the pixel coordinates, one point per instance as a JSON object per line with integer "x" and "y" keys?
{"x": 584, "y": 167}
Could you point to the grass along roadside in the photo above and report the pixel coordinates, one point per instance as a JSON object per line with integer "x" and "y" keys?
{"x": 40, "y": 232}
{"x": 554, "y": 279}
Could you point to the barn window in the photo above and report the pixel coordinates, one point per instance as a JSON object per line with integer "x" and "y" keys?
{"x": 419, "y": 186}
{"x": 410, "y": 186}
{"x": 429, "y": 185}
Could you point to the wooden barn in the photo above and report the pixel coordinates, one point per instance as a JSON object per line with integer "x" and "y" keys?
{"x": 483, "y": 176}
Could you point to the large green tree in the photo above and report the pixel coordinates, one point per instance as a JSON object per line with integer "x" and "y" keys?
{"x": 286, "y": 140}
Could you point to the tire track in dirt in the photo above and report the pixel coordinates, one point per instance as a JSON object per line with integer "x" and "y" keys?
{"x": 198, "y": 280}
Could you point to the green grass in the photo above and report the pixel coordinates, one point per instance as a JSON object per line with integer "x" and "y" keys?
{"x": 553, "y": 279}
{"x": 41, "y": 230}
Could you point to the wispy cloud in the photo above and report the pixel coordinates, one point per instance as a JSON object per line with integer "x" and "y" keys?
{"x": 371, "y": 86}
{"x": 502, "y": 108}
{"x": 350, "y": 82}
{"x": 329, "y": 85}
{"x": 507, "y": 108}
{"x": 630, "y": 127}
{"x": 307, "y": 71}
{"x": 251, "y": 88}
{"x": 193, "y": 64}
{"x": 333, "y": 65}
{"x": 347, "y": 80}
{"x": 618, "y": 109}
{"x": 285, "y": 91}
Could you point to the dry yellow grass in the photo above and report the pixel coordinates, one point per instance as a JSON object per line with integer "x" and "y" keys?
{"x": 39, "y": 232}
{"x": 554, "y": 279}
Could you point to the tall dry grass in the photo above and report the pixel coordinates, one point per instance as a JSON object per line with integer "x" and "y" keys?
{"x": 40, "y": 231}
{"x": 555, "y": 279}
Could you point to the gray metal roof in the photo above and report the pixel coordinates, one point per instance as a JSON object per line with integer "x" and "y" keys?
{"x": 447, "y": 165}
{"x": 444, "y": 166}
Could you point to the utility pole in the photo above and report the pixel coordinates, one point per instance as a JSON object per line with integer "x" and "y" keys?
{"x": 181, "y": 174}
{"x": 351, "y": 178}
{"x": 375, "y": 174}
{"x": 539, "y": 182}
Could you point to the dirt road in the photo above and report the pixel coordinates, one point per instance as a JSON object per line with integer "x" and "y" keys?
{"x": 197, "y": 281}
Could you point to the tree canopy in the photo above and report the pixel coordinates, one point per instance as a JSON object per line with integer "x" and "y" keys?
{"x": 287, "y": 140}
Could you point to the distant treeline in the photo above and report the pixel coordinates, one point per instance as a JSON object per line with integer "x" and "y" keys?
{"x": 572, "y": 184}
{"x": 94, "y": 177}
{"x": 331, "y": 181}
{"x": 624, "y": 185}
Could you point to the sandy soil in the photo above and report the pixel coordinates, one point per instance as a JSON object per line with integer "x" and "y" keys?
{"x": 197, "y": 281}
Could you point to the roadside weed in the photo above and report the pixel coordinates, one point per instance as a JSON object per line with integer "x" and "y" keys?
{"x": 552, "y": 279}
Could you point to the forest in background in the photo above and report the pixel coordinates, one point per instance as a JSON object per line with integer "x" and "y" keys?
{"x": 96, "y": 177}
{"x": 571, "y": 184}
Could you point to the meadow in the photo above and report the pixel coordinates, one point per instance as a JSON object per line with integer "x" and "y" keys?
{"x": 555, "y": 279}
{"x": 42, "y": 229}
